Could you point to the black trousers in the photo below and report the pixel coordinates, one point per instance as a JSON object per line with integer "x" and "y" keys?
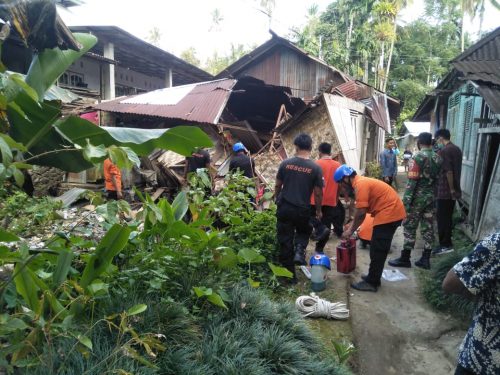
{"x": 463, "y": 371}
{"x": 379, "y": 248}
{"x": 330, "y": 216}
{"x": 293, "y": 231}
{"x": 444, "y": 218}
{"x": 112, "y": 194}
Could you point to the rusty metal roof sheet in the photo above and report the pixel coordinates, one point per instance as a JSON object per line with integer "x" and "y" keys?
{"x": 380, "y": 112}
{"x": 354, "y": 90}
{"x": 201, "y": 102}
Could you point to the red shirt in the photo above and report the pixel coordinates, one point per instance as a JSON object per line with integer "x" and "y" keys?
{"x": 330, "y": 187}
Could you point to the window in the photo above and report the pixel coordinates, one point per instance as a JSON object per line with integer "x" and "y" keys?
{"x": 72, "y": 79}
{"x": 76, "y": 79}
{"x": 124, "y": 90}
{"x": 64, "y": 79}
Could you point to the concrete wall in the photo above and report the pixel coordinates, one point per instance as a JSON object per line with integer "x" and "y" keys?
{"x": 129, "y": 78}
{"x": 317, "y": 124}
{"x": 90, "y": 69}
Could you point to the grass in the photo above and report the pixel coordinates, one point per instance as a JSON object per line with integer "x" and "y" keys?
{"x": 431, "y": 281}
{"x": 255, "y": 335}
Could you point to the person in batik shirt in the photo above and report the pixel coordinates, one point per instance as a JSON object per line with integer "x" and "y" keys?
{"x": 477, "y": 277}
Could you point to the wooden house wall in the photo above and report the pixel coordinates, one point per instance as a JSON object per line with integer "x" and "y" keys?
{"x": 267, "y": 69}
{"x": 286, "y": 67}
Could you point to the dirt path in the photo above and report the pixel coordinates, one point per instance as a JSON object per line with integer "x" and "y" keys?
{"x": 394, "y": 330}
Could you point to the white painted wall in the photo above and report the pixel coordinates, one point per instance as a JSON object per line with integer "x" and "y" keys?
{"x": 89, "y": 68}
{"x": 130, "y": 78}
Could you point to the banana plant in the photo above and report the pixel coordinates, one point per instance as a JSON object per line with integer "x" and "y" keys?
{"x": 53, "y": 297}
{"x": 32, "y": 130}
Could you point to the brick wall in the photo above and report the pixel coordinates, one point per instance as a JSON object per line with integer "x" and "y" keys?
{"x": 317, "y": 124}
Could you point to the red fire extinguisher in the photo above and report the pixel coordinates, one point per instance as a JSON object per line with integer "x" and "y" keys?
{"x": 346, "y": 256}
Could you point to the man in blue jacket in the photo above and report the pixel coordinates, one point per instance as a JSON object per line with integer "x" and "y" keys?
{"x": 388, "y": 161}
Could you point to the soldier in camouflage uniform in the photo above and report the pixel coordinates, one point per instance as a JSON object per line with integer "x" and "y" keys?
{"x": 419, "y": 202}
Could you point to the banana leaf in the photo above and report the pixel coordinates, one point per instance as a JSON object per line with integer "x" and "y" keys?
{"x": 113, "y": 242}
{"x": 51, "y": 142}
{"x": 31, "y": 123}
{"x": 181, "y": 139}
{"x": 49, "y": 64}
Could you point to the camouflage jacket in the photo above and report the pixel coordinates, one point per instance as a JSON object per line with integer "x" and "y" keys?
{"x": 423, "y": 172}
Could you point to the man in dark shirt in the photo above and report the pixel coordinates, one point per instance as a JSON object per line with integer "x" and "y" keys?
{"x": 241, "y": 161}
{"x": 199, "y": 159}
{"x": 297, "y": 178}
{"x": 448, "y": 189}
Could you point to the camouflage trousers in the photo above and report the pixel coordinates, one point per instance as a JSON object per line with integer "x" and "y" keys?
{"x": 421, "y": 212}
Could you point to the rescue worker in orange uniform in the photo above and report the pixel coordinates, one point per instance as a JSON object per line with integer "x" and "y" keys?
{"x": 113, "y": 180}
{"x": 383, "y": 203}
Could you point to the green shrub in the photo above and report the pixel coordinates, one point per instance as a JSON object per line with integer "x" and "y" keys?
{"x": 431, "y": 281}
{"x": 373, "y": 170}
{"x": 24, "y": 215}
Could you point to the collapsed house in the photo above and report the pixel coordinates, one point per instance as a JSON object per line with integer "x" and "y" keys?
{"x": 260, "y": 100}
{"x": 467, "y": 102}
{"x": 351, "y": 115}
{"x": 354, "y": 117}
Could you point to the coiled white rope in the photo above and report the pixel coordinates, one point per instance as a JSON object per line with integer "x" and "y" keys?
{"x": 315, "y": 307}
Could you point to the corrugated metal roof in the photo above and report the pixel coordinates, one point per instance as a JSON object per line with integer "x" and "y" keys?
{"x": 380, "y": 112}
{"x": 143, "y": 57}
{"x": 203, "y": 103}
{"x": 354, "y": 90}
{"x": 491, "y": 95}
{"x": 481, "y": 61}
{"x": 486, "y": 71}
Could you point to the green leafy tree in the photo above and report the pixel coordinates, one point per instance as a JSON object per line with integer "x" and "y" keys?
{"x": 189, "y": 55}
{"x": 217, "y": 63}
{"x": 154, "y": 36}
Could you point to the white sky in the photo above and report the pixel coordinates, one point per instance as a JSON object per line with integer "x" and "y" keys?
{"x": 187, "y": 23}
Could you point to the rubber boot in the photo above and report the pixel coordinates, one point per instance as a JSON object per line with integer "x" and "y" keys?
{"x": 300, "y": 256}
{"x": 424, "y": 261}
{"x": 402, "y": 261}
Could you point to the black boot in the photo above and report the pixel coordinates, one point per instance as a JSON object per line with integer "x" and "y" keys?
{"x": 300, "y": 256}
{"x": 402, "y": 261}
{"x": 424, "y": 261}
